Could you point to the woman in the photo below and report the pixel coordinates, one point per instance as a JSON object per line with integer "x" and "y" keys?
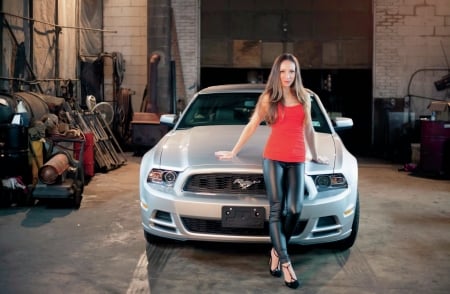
{"x": 285, "y": 106}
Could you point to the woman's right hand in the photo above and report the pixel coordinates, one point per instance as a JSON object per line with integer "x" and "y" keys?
{"x": 224, "y": 154}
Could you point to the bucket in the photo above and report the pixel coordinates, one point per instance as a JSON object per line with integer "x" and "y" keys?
{"x": 13, "y": 137}
{"x": 23, "y": 114}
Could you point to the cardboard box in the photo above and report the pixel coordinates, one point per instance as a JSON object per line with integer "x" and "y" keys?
{"x": 442, "y": 109}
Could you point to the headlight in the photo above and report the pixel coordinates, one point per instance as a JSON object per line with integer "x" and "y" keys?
{"x": 333, "y": 181}
{"x": 163, "y": 177}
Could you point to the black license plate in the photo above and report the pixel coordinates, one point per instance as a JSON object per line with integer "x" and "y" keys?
{"x": 243, "y": 217}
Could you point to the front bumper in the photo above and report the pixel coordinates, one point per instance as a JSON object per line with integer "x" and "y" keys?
{"x": 324, "y": 218}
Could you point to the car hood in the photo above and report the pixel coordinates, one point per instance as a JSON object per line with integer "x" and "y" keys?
{"x": 195, "y": 147}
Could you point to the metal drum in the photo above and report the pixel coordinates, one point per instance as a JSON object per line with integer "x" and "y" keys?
{"x": 34, "y": 103}
{"x": 6, "y": 109}
{"x": 13, "y": 137}
{"x": 435, "y": 147}
{"x": 15, "y": 163}
{"x": 52, "y": 169}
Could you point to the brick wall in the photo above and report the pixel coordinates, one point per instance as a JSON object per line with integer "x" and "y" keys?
{"x": 187, "y": 25}
{"x": 129, "y": 19}
{"x": 409, "y": 38}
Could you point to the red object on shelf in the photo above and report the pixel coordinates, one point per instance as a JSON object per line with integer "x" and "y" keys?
{"x": 435, "y": 147}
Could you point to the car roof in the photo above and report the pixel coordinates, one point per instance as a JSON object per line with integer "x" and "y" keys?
{"x": 234, "y": 88}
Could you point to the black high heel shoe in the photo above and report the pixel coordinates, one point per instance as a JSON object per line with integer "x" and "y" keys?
{"x": 288, "y": 271}
{"x": 277, "y": 271}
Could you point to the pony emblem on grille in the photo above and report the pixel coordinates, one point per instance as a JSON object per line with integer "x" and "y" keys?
{"x": 245, "y": 184}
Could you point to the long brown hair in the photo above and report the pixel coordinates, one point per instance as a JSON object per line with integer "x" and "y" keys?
{"x": 275, "y": 90}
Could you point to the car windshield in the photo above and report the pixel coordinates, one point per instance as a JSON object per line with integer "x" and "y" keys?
{"x": 235, "y": 109}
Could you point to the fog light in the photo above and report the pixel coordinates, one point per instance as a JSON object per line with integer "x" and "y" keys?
{"x": 349, "y": 211}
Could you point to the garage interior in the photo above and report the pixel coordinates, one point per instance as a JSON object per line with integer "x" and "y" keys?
{"x": 336, "y": 57}
{"x": 403, "y": 241}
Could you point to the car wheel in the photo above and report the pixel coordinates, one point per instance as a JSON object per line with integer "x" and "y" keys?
{"x": 350, "y": 240}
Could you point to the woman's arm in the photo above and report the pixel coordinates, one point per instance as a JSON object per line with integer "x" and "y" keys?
{"x": 310, "y": 137}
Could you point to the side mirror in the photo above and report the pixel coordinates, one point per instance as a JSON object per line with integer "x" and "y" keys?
{"x": 342, "y": 123}
{"x": 168, "y": 120}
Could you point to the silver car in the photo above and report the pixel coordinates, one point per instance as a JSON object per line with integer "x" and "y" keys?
{"x": 186, "y": 193}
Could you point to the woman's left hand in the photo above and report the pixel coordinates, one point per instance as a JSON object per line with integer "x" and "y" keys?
{"x": 224, "y": 155}
{"x": 321, "y": 160}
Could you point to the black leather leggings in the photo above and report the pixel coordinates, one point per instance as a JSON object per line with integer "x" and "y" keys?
{"x": 285, "y": 189}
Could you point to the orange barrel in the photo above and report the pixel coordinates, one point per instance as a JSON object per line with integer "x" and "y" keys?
{"x": 49, "y": 172}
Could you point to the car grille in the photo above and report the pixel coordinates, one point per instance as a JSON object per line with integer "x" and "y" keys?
{"x": 234, "y": 184}
{"x": 215, "y": 227}
{"x": 242, "y": 184}
{"x": 206, "y": 226}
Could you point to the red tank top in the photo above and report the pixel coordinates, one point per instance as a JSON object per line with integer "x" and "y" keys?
{"x": 287, "y": 138}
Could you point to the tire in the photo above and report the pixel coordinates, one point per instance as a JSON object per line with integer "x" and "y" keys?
{"x": 350, "y": 240}
{"x": 77, "y": 194}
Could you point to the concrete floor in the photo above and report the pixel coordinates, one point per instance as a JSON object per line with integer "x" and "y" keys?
{"x": 403, "y": 247}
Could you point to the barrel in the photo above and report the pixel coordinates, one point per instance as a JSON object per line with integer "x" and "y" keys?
{"x": 88, "y": 154}
{"x": 435, "y": 147}
{"x": 34, "y": 103}
{"x": 13, "y": 137}
{"x": 6, "y": 109}
{"x": 15, "y": 163}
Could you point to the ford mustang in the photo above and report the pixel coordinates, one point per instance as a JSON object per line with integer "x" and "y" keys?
{"x": 187, "y": 193}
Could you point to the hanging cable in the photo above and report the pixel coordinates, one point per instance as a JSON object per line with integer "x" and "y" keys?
{"x": 56, "y": 25}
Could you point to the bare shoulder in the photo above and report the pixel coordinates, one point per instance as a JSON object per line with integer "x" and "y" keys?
{"x": 265, "y": 100}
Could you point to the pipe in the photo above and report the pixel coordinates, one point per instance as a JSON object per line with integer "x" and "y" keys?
{"x": 56, "y": 25}
{"x": 152, "y": 85}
